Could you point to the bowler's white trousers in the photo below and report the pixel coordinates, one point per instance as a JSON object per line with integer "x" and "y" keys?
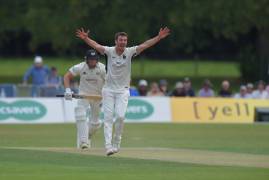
{"x": 114, "y": 103}
{"x": 87, "y": 109}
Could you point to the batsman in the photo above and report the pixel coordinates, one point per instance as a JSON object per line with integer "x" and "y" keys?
{"x": 92, "y": 77}
{"x": 116, "y": 89}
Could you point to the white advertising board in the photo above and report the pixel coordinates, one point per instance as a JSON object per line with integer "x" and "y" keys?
{"x": 57, "y": 110}
{"x": 31, "y": 110}
{"x": 147, "y": 109}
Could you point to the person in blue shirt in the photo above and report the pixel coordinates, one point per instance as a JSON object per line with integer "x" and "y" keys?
{"x": 133, "y": 91}
{"x": 54, "y": 80}
{"x": 39, "y": 73}
{"x": 53, "y": 84}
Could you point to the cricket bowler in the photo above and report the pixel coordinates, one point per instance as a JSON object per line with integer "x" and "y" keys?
{"x": 116, "y": 89}
{"x": 92, "y": 77}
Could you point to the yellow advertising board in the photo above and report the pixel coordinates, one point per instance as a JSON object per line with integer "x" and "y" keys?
{"x": 215, "y": 110}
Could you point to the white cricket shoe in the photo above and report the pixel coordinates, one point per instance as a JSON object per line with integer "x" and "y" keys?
{"x": 84, "y": 146}
{"x": 109, "y": 151}
{"x": 116, "y": 150}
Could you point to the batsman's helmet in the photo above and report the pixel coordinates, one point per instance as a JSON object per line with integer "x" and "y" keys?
{"x": 91, "y": 55}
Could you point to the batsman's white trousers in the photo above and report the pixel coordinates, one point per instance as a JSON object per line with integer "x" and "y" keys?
{"x": 114, "y": 103}
{"x": 87, "y": 109}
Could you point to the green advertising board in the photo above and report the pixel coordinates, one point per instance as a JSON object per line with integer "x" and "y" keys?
{"x": 138, "y": 109}
{"x": 26, "y": 110}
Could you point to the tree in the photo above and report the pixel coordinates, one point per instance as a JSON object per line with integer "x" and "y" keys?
{"x": 220, "y": 28}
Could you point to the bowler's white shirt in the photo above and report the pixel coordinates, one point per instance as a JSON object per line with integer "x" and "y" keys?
{"x": 118, "y": 68}
{"x": 91, "y": 80}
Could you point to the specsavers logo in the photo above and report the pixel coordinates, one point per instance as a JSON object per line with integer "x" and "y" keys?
{"x": 138, "y": 109}
{"x": 25, "y": 110}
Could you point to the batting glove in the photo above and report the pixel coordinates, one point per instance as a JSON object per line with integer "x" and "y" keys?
{"x": 68, "y": 94}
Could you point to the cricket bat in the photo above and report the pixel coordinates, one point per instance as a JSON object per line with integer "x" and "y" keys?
{"x": 78, "y": 96}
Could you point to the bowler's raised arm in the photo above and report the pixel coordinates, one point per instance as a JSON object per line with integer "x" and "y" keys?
{"x": 84, "y": 35}
{"x": 164, "y": 32}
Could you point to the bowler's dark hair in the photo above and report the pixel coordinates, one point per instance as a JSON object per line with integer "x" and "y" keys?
{"x": 120, "y": 34}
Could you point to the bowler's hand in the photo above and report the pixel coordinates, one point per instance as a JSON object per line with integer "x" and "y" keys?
{"x": 82, "y": 34}
{"x": 164, "y": 32}
{"x": 68, "y": 94}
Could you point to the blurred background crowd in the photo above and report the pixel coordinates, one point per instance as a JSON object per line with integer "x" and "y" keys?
{"x": 183, "y": 88}
{"x": 43, "y": 81}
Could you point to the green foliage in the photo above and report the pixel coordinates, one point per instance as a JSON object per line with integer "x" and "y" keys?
{"x": 194, "y": 23}
{"x": 206, "y": 28}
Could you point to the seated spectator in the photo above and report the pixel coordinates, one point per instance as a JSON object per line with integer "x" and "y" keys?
{"x": 39, "y": 73}
{"x": 53, "y": 84}
{"x": 260, "y": 93}
{"x": 54, "y": 80}
{"x": 8, "y": 90}
{"x": 206, "y": 90}
{"x": 163, "y": 87}
{"x": 225, "y": 89}
{"x": 188, "y": 87}
{"x": 267, "y": 89}
{"x": 154, "y": 90}
{"x": 179, "y": 90}
{"x": 133, "y": 91}
{"x": 250, "y": 89}
{"x": 142, "y": 87}
{"x": 243, "y": 93}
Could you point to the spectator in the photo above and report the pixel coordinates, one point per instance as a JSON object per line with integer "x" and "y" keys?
{"x": 260, "y": 93}
{"x": 163, "y": 87}
{"x": 154, "y": 90}
{"x": 53, "y": 84}
{"x": 243, "y": 93}
{"x": 179, "y": 90}
{"x": 142, "y": 87}
{"x": 267, "y": 90}
{"x": 188, "y": 87}
{"x": 54, "y": 80}
{"x": 250, "y": 89}
{"x": 133, "y": 91}
{"x": 39, "y": 73}
{"x": 225, "y": 89}
{"x": 206, "y": 90}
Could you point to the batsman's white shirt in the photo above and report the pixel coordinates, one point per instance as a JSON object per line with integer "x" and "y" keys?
{"x": 91, "y": 80}
{"x": 118, "y": 68}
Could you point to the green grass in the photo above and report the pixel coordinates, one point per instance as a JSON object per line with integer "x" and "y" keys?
{"x": 66, "y": 166}
{"x": 17, "y": 67}
{"x": 22, "y": 164}
{"x": 140, "y": 68}
{"x": 243, "y": 138}
{"x": 182, "y": 68}
{"x": 29, "y": 164}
